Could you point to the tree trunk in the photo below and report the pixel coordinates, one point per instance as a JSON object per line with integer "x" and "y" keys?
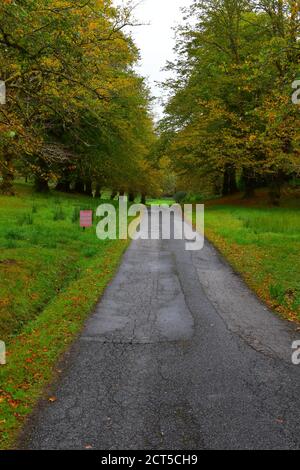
{"x": 143, "y": 199}
{"x": 275, "y": 191}
{"x": 63, "y": 183}
{"x": 229, "y": 182}
{"x": 113, "y": 195}
{"x": 79, "y": 186}
{"x": 217, "y": 185}
{"x": 131, "y": 196}
{"x": 98, "y": 191}
{"x": 7, "y": 170}
{"x": 41, "y": 185}
{"x": 63, "y": 186}
{"x": 88, "y": 188}
{"x": 249, "y": 181}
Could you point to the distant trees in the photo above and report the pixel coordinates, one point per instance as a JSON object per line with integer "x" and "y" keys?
{"x": 76, "y": 110}
{"x": 230, "y": 116}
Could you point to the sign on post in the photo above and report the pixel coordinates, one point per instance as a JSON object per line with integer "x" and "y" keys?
{"x": 86, "y": 219}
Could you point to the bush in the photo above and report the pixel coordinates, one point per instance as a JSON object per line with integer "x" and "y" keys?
{"x": 180, "y": 196}
{"x": 295, "y": 182}
{"x": 193, "y": 198}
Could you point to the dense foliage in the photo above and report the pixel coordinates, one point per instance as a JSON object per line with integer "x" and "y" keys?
{"x": 230, "y": 118}
{"x": 76, "y": 113}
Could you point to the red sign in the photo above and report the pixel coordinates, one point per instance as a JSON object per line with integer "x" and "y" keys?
{"x": 86, "y": 218}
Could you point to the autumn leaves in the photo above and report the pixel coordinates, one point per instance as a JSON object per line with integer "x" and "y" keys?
{"x": 71, "y": 86}
{"x": 230, "y": 117}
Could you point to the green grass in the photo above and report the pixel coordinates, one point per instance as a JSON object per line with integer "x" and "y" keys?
{"x": 264, "y": 246}
{"x": 51, "y": 275}
{"x": 159, "y": 202}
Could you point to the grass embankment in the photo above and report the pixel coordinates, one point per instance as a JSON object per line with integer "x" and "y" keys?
{"x": 51, "y": 276}
{"x": 263, "y": 244}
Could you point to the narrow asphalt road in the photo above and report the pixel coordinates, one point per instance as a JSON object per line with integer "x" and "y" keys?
{"x": 178, "y": 355}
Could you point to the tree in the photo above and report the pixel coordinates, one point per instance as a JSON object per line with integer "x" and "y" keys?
{"x": 68, "y": 67}
{"x": 229, "y": 110}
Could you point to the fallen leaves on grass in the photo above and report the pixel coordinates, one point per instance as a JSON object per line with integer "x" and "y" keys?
{"x": 52, "y": 399}
{"x": 45, "y": 338}
{"x": 248, "y": 261}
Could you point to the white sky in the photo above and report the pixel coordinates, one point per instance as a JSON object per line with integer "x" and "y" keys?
{"x": 155, "y": 39}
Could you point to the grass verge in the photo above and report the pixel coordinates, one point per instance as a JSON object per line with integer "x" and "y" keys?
{"x": 51, "y": 278}
{"x": 263, "y": 245}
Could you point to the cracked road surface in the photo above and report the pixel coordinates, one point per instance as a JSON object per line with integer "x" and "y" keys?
{"x": 178, "y": 355}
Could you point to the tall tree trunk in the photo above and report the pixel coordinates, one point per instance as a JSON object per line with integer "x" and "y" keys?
{"x": 63, "y": 185}
{"x": 98, "y": 191}
{"x": 249, "y": 181}
{"x": 131, "y": 196}
{"x": 229, "y": 182}
{"x": 143, "y": 198}
{"x": 275, "y": 190}
{"x": 7, "y": 171}
{"x": 79, "y": 186}
{"x": 88, "y": 187}
{"x": 40, "y": 184}
{"x": 217, "y": 186}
